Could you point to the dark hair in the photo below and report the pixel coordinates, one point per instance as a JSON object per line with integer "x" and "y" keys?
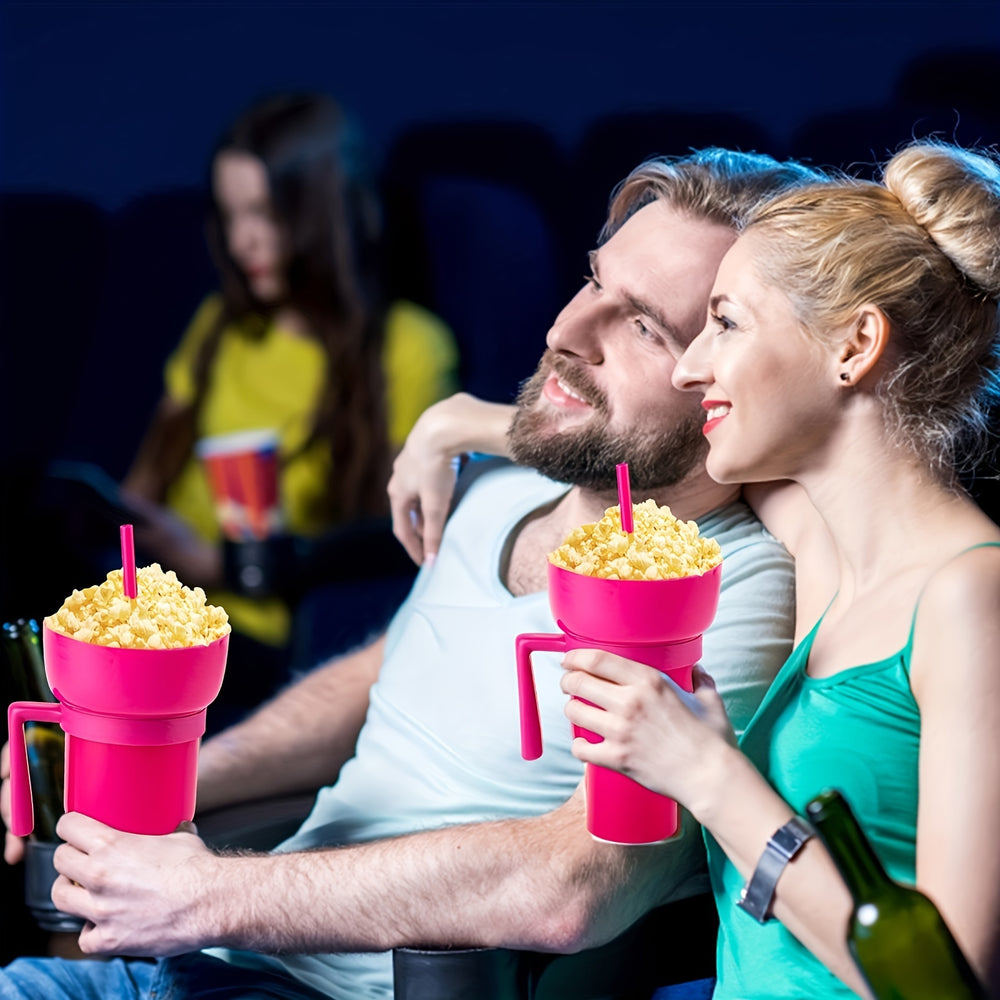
{"x": 326, "y": 204}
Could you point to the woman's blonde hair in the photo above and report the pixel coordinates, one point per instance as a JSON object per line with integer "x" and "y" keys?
{"x": 924, "y": 246}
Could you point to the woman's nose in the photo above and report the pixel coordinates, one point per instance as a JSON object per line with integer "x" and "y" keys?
{"x": 693, "y": 370}
{"x": 241, "y": 236}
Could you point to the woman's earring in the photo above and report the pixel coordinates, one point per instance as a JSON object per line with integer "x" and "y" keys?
{"x": 844, "y": 377}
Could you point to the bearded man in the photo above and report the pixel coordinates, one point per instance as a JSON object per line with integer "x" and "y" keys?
{"x": 429, "y": 828}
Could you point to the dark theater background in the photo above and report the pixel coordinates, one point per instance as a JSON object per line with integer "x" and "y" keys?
{"x": 498, "y": 130}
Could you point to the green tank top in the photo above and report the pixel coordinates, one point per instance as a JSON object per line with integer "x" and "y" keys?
{"x": 858, "y": 731}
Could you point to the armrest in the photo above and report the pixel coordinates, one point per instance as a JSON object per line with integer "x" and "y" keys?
{"x": 461, "y": 974}
{"x": 670, "y": 945}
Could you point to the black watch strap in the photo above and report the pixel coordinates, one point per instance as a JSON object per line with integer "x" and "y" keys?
{"x": 781, "y": 848}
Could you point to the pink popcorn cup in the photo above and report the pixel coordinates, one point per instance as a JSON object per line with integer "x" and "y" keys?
{"x": 657, "y": 622}
{"x": 242, "y": 470}
{"x": 133, "y": 720}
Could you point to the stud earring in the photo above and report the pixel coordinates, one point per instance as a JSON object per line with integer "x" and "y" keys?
{"x": 844, "y": 377}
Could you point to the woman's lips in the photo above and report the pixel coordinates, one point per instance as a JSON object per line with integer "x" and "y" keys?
{"x": 715, "y": 413}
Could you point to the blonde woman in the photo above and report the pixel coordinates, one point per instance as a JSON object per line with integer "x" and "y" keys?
{"x": 851, "y": 348}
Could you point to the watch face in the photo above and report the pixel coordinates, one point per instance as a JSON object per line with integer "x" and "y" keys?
{"x": 799, "y": 830}
{"x": 791, "y": 837}
{"x": 786, "y": 841}
{"x": 755, "y": 898}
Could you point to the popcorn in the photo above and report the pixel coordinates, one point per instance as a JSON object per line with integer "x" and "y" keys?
{"x": 661, "y": 547}
{"x": 165, "y": 615}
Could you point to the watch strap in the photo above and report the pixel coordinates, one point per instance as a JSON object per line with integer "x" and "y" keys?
{"x": 786, "y": 842}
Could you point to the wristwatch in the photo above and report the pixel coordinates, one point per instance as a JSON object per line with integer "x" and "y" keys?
{"x": 781, "y": 848}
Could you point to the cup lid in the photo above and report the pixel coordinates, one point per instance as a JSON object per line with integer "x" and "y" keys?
{"x": 260, "y": 439}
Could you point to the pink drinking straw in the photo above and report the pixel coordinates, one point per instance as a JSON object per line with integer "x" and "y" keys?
{"x": 625, "y": 498}
{"x": 128, "y": 563}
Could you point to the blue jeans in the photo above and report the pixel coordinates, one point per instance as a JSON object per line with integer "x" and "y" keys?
{"x": 187, "y": 977}
{"x": 700, "y": 990}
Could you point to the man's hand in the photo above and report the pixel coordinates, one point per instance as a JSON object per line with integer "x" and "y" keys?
{"x": 13, "y": 850}
{"x": 140, "y": 895}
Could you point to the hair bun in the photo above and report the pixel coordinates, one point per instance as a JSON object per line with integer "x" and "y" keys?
{"x": 954, "y": 194}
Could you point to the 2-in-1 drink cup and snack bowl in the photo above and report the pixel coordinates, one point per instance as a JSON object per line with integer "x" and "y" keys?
{"x": 133, "y": 719}
{"x": 658, "y": 622}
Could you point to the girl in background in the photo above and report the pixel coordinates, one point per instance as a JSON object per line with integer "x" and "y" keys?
{"x": 300, "y": 340}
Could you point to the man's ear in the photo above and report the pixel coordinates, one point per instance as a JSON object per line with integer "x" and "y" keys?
{"x": 865, "y": 343}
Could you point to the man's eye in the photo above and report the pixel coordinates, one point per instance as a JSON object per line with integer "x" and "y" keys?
{"x": 645, "y": 332}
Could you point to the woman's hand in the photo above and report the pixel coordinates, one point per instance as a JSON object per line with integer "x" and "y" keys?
{"x": 653, "y": 731}
{"x": 423, "y": 475}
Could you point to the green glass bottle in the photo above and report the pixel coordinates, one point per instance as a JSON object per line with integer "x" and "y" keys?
{"x": 44, "y": 741}
{"x": 18, "y": 686}
{"x": 31, "y": 647}
{"x": 898, "y": 938}
{"x": 21, "y": 650}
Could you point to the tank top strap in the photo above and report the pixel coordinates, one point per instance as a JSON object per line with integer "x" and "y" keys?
{"x": 907, "y": 650}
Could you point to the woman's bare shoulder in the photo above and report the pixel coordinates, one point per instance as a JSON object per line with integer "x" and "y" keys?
{"x": 967, "y": 582}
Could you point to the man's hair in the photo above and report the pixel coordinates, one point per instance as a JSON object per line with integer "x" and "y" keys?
{"x": 717, "y": 185}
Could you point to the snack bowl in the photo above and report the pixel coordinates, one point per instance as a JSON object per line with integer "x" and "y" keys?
{"x": 133, "y": 720}
{"x": 634, "y": 611}
{"x": 133, "y": 682}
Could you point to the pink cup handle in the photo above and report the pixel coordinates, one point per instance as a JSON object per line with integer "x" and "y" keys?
{"x": 22, "y": 815}
{"x": 531, "y": 724}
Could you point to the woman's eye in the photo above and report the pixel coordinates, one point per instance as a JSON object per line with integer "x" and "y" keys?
{"x": 589, "y": 279}
{"x": 723, "y": 322}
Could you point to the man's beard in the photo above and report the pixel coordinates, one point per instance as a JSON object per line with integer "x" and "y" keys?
{"x": 586, "y": 456}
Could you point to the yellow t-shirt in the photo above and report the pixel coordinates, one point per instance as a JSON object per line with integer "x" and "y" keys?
{"x": 274, "y": 381}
